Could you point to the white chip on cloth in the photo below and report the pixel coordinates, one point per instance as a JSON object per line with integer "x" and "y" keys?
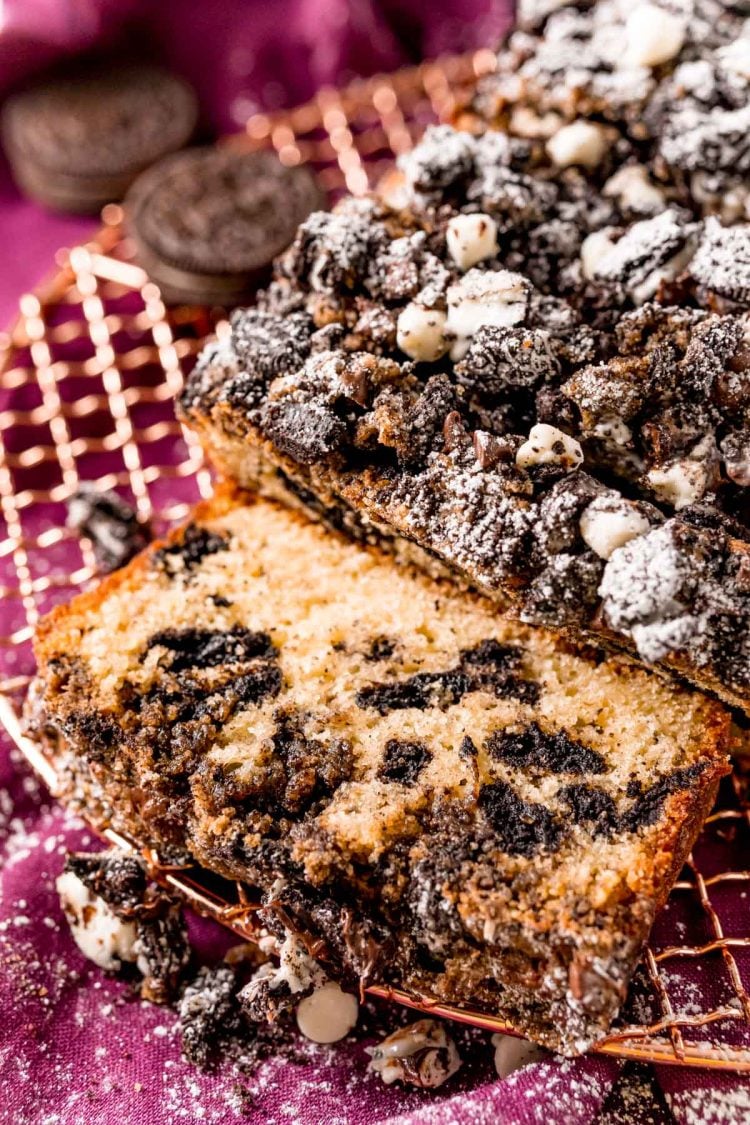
{"x": 100, "y": 935}
{"x": 512, "y": 1053}
{"x": 327, "y": 1014}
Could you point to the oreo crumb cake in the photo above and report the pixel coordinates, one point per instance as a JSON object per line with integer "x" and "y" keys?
{"x": 421, "y": 792}
{"x": 519, "y": 380}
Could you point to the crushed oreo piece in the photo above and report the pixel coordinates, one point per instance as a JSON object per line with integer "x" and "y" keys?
{"x": 591, "y": 806}
{"x": 268, "y": 344}
{"x": 115, "y": 876}
{"x": 115, "y": 531}
{"x": 521, "y": 827}
{"x": 648, "y": 252}
{"x": 721, "y": 262}
{"x": 305, "y": 431}
{"x": 380, "y": 648}
{"x": 564, "y": 591}
{"x": 443, "y": 159}
{"x": 119, "y": 889}
{"x": 334, "y": 249}
{"x": 210, "y": 1015}
{"x": 647, "y": 590}
{"x": 647, "y": 806}
{"x": 503, "y": 361}
{"x": 488, "y": 666}
{"x": 305, "y": 769}
{"x": 163, "y": 950}
{"x": 195, "y": 544}
{"x": 534, "y": 748}
{"x": 208, "y": 648}
{"x": 403, "y": 761}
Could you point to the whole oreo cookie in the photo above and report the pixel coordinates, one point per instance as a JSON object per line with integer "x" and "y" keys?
{"x": 78, "y": 139}
{"x": 208, "y": 222}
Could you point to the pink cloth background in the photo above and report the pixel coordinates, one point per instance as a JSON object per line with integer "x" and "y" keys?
{"x": 75, "y": 1048}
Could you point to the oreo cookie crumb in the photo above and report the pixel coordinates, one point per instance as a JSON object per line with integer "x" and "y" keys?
{"x": 521, "y": 827}
{"x": 115, "y": 531}
{"x": 403, "y": 761}
{"x": 533, "y": 748}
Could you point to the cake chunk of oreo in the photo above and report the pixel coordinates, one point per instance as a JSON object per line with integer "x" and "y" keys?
{"x": 119, "y": 917}
{"x": 115, "y": 531}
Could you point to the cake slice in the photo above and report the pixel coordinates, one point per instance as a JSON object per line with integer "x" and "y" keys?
{"x": 423, "y": 793}
{"x": 515, "y": 379}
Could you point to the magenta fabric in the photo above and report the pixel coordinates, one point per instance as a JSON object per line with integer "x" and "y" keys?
{"x": 75, "y": 1047}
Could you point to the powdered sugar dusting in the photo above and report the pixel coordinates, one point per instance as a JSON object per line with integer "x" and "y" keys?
{"x": 722, "y": 260}
{"x": 642, "y": 587}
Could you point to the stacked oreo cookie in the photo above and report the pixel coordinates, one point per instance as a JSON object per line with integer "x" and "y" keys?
{"x": 78, "y": 138}
{"x": 206, "y": 222}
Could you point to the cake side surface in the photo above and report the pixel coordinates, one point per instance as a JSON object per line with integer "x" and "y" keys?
{"x": 435, "y": 796}
{"x": 695, "y": 624}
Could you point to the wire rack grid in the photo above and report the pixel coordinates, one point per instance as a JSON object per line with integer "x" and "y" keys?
{"x": 88, "y": 374}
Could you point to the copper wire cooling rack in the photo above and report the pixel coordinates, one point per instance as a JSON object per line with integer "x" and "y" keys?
{"x": 88, "y": 374}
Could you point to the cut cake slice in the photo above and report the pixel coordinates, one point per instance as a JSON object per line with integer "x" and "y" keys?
{"x": 423, "y": 793}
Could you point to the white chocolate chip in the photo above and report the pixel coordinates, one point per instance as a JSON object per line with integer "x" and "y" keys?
{"x": 685, "y": 481}
{"x": 610, "y": 522}
{"x": 512, "y": 1054}
{"x": 613, "y": 431}
{"x": 97, "y": 931}
{"x": 581, "y": 142}
{"x": 681, "y": 483}
{"x": 327, "y": 1014}
{"x": 735, "y": 57}
{"x": 594, "y": 249}
{"x": 546, "y": 445}
{"x": 653, "y": 36}
{"x": 471, "y": 239}
{"x": 634, "y": 191}
{"x": 484, "y": 297}
{"x": 432, "y": 1054}
{"x": 529, "y": 125}
{"x": 420, "y": 333}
